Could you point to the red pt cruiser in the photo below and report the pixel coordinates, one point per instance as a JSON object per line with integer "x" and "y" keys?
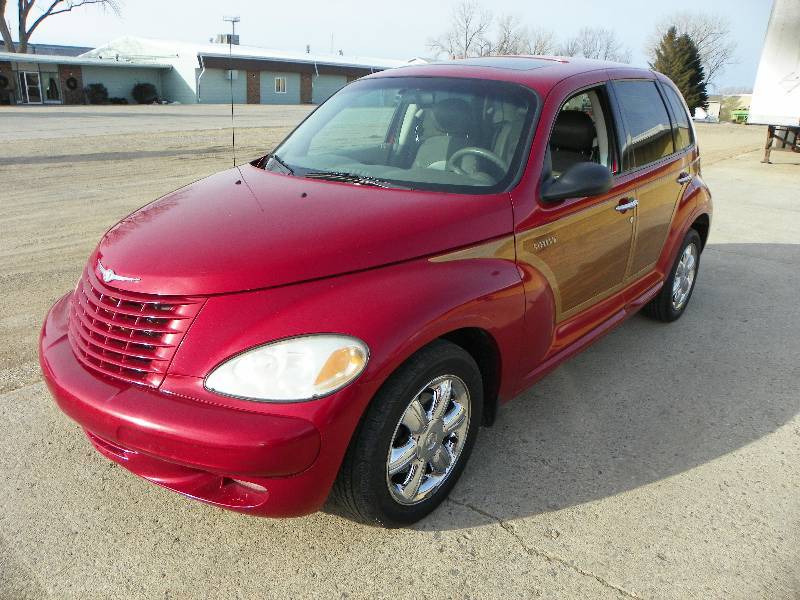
{"x": 336, "y": 320}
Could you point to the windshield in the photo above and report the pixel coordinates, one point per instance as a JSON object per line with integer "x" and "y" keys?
{"x": 429, "y": 133}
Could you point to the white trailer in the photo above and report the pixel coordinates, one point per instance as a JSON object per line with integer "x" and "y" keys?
{"x": 776, "y": 96}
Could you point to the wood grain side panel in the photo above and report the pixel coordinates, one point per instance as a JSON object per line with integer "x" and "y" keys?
{"x": 658, "y": 200}
{"x": 502, "y": 248}
{"x": 584, "y": 256}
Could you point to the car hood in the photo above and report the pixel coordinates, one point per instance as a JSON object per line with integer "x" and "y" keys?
{"x": 246, "y": 228}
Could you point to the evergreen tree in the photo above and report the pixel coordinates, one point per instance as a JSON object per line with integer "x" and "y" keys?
{"x": 677, "y": 57}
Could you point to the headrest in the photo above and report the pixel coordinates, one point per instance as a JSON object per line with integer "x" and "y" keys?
{"x": 452, "y": 116}
{"x": 574, "y": 130}
{"x": 423, "y": 99}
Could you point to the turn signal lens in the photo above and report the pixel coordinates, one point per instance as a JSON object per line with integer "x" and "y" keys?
{"x": 341, "y": 366}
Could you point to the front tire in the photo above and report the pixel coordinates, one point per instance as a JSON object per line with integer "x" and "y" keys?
{"x": 674, "y": 297}
{"x": 414, "y": 440}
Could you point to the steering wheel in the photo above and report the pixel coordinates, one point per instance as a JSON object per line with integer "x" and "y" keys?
{"x": 453, "y": 161}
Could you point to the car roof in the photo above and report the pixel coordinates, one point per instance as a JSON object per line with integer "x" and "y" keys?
{"x": 538, "y": 72}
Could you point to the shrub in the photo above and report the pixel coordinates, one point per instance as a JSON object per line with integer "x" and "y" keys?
{"x": 728, "y": 104}
{"x": 145, "y": 93}
{"x": 96, "y": 93}
{"x": 118, "y": 100}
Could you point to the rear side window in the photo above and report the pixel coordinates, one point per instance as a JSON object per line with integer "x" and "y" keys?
{"x": 647, "y": 122}
{"x": 683, "y": 133}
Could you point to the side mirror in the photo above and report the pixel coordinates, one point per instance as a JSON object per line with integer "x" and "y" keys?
{"x": 581, "y": 179}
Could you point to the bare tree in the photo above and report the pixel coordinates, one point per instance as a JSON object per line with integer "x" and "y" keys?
{"x": 597, "y": 43}
{"x": 48, "y": 9}
{"x": 569, "y": 47}
{"x": 4, "y": 28}
{"x": 541, "y": 41}
{"x": 468, "y": 32}
{"x": 736, "y": 90}
{"x": 511, "y": 37}
{"x": 709, "y": 31}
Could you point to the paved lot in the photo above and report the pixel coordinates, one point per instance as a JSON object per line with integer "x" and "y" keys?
{"x": 660, "y": 463}
{"x": 48, "y": 122}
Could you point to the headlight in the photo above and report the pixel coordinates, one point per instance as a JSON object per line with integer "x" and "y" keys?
{"x": 301, "y": 368}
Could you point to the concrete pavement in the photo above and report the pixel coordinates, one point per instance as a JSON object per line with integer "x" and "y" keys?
{"x": 660, "y": 463}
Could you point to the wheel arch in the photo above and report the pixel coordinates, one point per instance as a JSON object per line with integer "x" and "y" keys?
{"x": 702, "y": 225}
{"x": 481, "y": 345}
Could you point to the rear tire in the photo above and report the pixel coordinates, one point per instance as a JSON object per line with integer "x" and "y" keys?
{"x": 414, "y": 439}
{"x": 674, "y": 296}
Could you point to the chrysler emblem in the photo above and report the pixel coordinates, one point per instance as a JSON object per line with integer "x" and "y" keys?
{"x": 108, "y": 275}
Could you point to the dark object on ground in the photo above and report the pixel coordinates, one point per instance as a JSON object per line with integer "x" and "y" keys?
{"x": 96, "y": 93}
{"x": 145, "y": 93}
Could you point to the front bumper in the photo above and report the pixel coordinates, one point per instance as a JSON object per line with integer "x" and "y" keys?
{"x": 250, "y": 461}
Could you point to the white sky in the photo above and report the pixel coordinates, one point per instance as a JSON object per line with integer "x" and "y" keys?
{"x": 396, "y": 29}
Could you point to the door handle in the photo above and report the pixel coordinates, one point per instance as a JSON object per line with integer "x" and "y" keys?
{"x": 632, "y": 203}
{"x": 684, "y": 177}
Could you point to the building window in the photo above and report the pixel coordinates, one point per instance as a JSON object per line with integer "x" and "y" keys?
{"x": 280, "y": 85}
{"x": 50, "y": 87}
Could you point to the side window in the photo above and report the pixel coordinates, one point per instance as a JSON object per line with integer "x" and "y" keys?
{"x": 647, "y": 122}
{"x": 683, "y": 132}
{"x": 581, "y": 133}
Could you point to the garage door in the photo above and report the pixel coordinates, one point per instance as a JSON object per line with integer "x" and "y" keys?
{"x": 325, "y": 86}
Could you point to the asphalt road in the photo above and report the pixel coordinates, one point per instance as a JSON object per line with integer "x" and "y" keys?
{"x": 660, "y": 463}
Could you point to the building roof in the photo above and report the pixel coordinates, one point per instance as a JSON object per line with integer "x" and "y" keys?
{"x": 76, "y": 60}
{"x": 141, "y": 49}
{"x": 52, "y": 49}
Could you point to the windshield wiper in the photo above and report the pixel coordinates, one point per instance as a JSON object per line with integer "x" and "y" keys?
{"x": 280, "y": 161}
{"x": 353, "y": 178}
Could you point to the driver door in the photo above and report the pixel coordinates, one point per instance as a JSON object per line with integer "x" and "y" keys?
{"x": 583, "y": 247}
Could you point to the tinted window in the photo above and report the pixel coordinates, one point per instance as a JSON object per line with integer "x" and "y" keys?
{"x": 683, "y": 133}
{"x": 647, "y": 121}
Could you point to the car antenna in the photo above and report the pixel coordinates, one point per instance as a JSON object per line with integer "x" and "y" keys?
{"x": 233, "y": 21}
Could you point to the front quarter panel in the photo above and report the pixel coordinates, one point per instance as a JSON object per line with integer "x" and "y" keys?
{"x": 396, "y": 310}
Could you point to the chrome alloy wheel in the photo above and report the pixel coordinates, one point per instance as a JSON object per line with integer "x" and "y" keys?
{"x": 684, "y": 277}
{"x": 428, "y": 440}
